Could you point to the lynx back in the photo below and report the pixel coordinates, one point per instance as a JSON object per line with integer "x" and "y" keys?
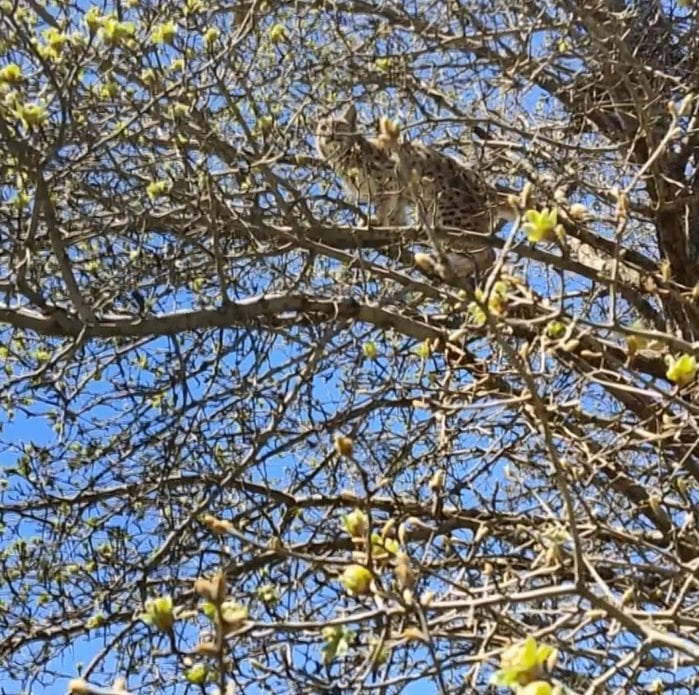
{"x": 444, "y": 192}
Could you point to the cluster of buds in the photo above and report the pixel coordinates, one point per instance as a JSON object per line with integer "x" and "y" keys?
{"x": 227, "y": 616}
{"x": 389, "y": 134}
{"x": 377, "y": 550}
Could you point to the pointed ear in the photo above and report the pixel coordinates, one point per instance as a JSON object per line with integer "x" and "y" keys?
{"x": 349, "y": 116}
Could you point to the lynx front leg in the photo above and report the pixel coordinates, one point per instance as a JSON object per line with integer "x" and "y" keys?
{"x": 390, "y": 211}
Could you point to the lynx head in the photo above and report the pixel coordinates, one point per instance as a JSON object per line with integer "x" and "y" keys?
{"x": 334, "y": 136}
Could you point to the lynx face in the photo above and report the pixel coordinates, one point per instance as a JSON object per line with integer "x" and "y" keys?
{"x": 335, "y": 136}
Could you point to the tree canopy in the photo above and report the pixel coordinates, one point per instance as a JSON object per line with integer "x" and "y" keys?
{"x": 247, "y": 446}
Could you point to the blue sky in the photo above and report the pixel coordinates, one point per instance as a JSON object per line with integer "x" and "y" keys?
{"x": 37, "y": 430}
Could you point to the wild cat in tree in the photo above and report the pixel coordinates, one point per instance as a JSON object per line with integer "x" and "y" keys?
{"x": 395, "y": 174}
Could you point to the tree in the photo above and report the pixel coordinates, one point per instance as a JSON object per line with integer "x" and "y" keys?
{"x": 249, "y": 446}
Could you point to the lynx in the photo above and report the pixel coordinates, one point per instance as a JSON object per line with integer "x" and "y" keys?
{"x": 395, "y": 175}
